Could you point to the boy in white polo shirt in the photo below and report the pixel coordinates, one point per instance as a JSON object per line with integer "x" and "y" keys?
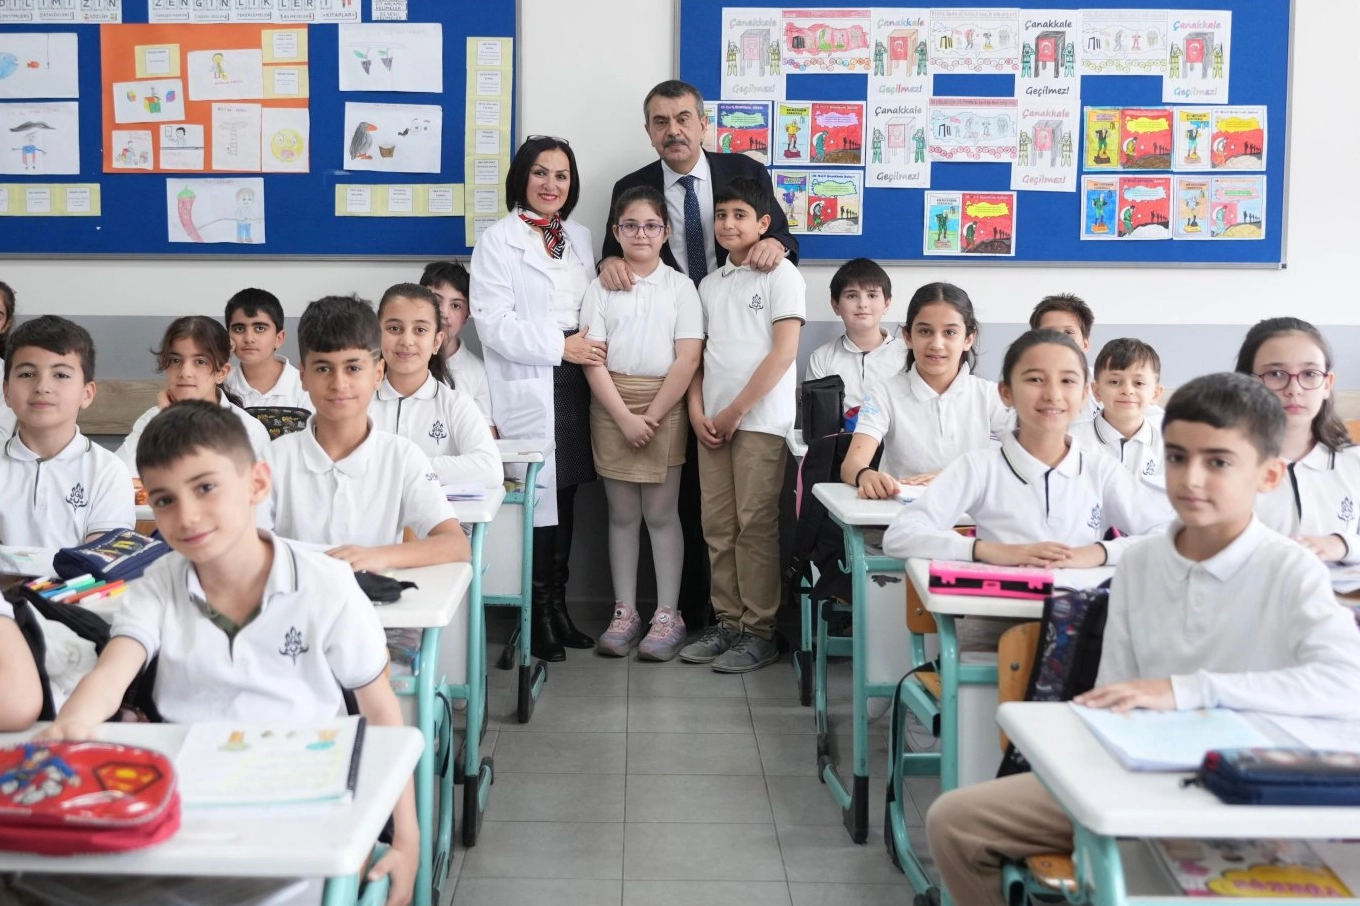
{"x": 1069, "y": 314}
{"x": 450, "y": 283}
{"x": 1128, "y": 425}
{"x": 62, "y": 487}
{"x": 244, "y": 625}
{"x": 861, "y": 294}
{"x": 741, "y": 404}
{"x": 254, "y": 319}
{"x": 1218, "y": 612}
{"x": 342, "y": 483}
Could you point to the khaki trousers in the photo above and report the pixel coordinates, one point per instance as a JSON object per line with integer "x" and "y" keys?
{"x": 971, "y": 830}
{"x": 739, "y": 489}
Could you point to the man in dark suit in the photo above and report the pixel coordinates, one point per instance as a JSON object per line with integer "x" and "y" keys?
{"x": 687, "y": 176}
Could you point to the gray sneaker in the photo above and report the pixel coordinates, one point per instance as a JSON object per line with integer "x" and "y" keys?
{"x": 750, "y": 652}
{"x": 715, "y": 640}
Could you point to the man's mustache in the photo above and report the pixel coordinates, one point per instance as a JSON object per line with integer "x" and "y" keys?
{"x": 676, "y": 140}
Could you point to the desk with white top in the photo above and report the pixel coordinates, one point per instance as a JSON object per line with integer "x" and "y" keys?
{"x": 330, "y": 842}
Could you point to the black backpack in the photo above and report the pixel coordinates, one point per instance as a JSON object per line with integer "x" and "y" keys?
{"x": 818, "y": 540}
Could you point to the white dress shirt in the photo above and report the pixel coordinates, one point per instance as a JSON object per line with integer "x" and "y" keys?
{"x": 675, "y": 207}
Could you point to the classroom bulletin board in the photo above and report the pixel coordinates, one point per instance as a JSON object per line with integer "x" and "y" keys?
{"x": 1055, "y": 133}
{"x": 311, "y": 128}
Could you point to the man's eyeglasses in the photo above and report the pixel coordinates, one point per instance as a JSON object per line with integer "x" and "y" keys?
{"x": 1278, "y": 378}
{"x": 651, "y": 229}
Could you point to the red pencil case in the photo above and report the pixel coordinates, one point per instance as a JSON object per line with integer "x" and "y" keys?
{"x": 952, "y": 577}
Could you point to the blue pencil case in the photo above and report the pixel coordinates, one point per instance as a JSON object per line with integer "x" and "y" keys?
{"x": 1281, "y": 777}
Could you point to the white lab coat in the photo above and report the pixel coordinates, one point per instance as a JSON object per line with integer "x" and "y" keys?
{"x": 512, "y": 305}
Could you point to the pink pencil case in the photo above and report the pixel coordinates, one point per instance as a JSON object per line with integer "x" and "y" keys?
{"x": 952, "y": 577}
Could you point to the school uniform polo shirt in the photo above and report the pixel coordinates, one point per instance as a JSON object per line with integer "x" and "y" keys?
{"x": 741, "y": 306}
{"x": 859, "y": 370}
{"x": 58, "y": 502}
{"x": 287, "y": 390}
{"x": 1141, "y": 454}
{"x": 446, "y": 425}
{"x": 1320, "y": 495}
{"x": 641, "y": 324}
{"x": 1255, "y": 627}
{"x": 8, "y": 421}
{"x": 469, "y": 376}
{"x": 1016, "y": 499}
{"x": 314, "y": 635}
{"x": 924, "y": 431}
{"x": 258, "y": 434}
{"x": 386, "y": 485}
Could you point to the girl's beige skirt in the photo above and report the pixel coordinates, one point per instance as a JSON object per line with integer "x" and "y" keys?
{"x": 614, "y": 458}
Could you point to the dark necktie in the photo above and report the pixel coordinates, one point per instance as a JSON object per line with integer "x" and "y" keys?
{"x": 695, "y": 256}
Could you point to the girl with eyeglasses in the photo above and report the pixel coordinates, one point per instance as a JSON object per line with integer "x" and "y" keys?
{"x": 638, "y": 429}
{"x": 1319, "y": 505}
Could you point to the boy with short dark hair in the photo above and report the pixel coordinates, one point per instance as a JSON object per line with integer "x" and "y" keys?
{"x": 450, "y": 283}
{"x": 230, "y": 595}
{"x": 1069, "y": 314}
{"x": 254, "y": 319}
{"x": 339, "y": 481}
{"x": 741, "y": 404}
{"x": 65, "y": 488}
{"x": 861, "y": 294}
{"x": 1218, "y": 612}
{"x": 1128, "y": 425}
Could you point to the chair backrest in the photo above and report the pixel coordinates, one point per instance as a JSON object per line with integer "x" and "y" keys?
{"x": 1015, "y": 662}
{"x": 919, "y": 620}
{"x": 1353, "y": 426}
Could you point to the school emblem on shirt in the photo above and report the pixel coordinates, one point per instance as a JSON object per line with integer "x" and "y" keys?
{"x": 757, "y": 303}
{"x": 867, "y": 407}
{"x": 437, "y": 430}
{"x": 77, "y": 497}
{"x": 1094, "y": 521}
{"x": 432, "y": 476}
{"x": 1150, "y": 467}
{"x": 292, "y": 645}
{"x": 1347, "y": 511}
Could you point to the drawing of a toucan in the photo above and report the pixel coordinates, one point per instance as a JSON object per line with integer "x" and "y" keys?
{"x": 361, "y": 141}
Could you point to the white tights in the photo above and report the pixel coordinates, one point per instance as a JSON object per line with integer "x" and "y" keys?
{"x": 629, "y": 503}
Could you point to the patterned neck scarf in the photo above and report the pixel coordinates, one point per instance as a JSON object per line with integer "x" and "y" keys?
{"x": 554, "y": 240}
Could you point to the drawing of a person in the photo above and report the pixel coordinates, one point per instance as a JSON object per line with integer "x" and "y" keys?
{"x": 245, "y": 214}
{"x": 731, "y": 58}
{"x": 968, "y": 39}
{"x": 969, "y": 234}
{"x": 1023, "y": 150}
{"x": 180, "y": 138}
{"x": 941, "y": 226}
{"x": 1136, "y": 38}
{"x": 1027, "y": 60}
{"x": 1174, "y": 62}
{"x": 1065, "y": 147}
{"x": 725, "y": 143}
{"x": 30, "y": 150}
{"x": 880, "y": 55}
{"x": 877, "y": 147}
{"x": 774, "y": 58}
{"x": 792, "y": 129}
{"x": 219, "y": 71}
{"x": 918, "y": 141}
{"x": 921, "y": 57}
{"x": 1119, "y": 40}
{"x": 1098, "y": 203}
{"x": 1192, "y": 145}
{"x": 819, "y": 146}
{"x": 1218, "y": 61}
{"x": 1102, "y": 155}
{"x": 1069, "y": 59}
{"x": 1126, "y": 218}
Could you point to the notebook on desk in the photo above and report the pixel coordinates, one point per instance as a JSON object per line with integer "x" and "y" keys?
{"x": 1169, "y": 740}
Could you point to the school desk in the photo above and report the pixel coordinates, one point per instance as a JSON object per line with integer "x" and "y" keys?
{"x": 1105, "y": 802}
{"x": 794, "y": 441}
{"x": 327, "y": 841}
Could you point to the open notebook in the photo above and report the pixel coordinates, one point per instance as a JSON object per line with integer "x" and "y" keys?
{"x": 1169, "y": 740}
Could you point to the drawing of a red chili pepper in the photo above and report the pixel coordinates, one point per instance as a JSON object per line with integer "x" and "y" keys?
{"x": 186, "y": 213}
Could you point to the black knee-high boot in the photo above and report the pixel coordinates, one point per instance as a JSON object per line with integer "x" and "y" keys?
{"x": 562, "y": 626}
{"x": 543, "y": 642}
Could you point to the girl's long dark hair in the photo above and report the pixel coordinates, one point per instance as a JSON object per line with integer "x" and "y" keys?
{"x": 1328, "y": 428}
{"x": 438, "y": 366}
{"x": 212, "y": 341}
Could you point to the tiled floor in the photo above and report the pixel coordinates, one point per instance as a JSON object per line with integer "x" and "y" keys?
{"x": 654, "y": 784}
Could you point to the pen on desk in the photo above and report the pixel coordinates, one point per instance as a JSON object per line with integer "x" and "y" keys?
{"x": 94, "y": 594}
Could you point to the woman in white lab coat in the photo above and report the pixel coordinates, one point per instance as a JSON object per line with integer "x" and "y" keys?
{"x": 529, "y": 276}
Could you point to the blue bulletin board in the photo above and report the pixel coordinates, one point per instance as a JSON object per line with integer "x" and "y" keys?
{"x": 1048, "y": 226}
{"x": 299, "y": 208}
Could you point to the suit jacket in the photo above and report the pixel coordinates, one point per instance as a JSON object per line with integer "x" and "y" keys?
{"x": 724, "y": 168}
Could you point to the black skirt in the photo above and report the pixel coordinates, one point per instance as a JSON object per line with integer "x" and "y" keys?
{"x": 571, "y": 423}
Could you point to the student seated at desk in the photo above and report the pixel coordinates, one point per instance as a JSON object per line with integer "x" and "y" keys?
{"x": 1069, "y": 314}
{"x": 254, "y": 320}
{"x": 1216, "y": 612}
{"x": 1128, "y": 426}
{"x": 23, "y": 698}
{"x": 244, "y": 624}
{"x": 341, "y": 482}
{"x": 450, "y": 283}
{"x": 61, "y": 488}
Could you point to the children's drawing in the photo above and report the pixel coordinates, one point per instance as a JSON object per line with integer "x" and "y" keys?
{"x": 226, "y": 75}
{"x": 181, "y": 146}
{"x": 1237, "y": 207}
{"x": 1046, "y": 158}
{"x": 793, "y": 124}
{"x": 987, "y": 224}
{"x": 152, "y": 101}
{"x": 1099, "y": 198}
{"x": 395, "y": 138}
{"x": 1239, "y": 138}
{"x": 1194, "y": 126}
{"x": 285, "y": 140}
{"x": 742, "y": 128}
{"x": 215, "y": 210}
{"x": 751, "y": 54}
{"x": 36, "y": 65}
{"x": 1144, "y": 207}
{"x": 132, "y": 149}
{"x": 236, "y": 137}
{"x": 392, "y": 56}
{"x": 1102, "y": 138}
{"x": 1191, "y": 207}
{"x": 824, "y": 41}
{"x": 1049, "y": 50}
{"x": 837, "y": 133}
{"x": 1145, "y": 138}
{"x": 897, "y": 145}
{"x": 1123, "y": 41}
{"x": 1197, "y": 60}
{"x": 835, "y": 203}
{"x": 791, "y": 194}
{"x": 942, "y": 223}
{"x": 39, "y": 138}
{"x": 974, "y": 40}
{"x": 973, "y": 129}
{"x": 901, "y": 55}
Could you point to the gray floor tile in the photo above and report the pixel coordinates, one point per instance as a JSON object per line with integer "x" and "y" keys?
{"x": 788, "y": 755}
{"x": 684, "y": 799}
{"x": 507, "y": 891}
{"x": 824, "y": 853}
{"x": 923, "y": 791}
{"x": 772, "y": 683}
{"x": 553, "y": 797}
{"x": 605, "y": 678}
{"x": 571, "y": 714}
{"x": 695, "y": 715}
{"x": 782, "y": 716}
{"x": 560, "y": 753}
{"x": 679, "y": 680}
{"x": 713, "y": 852}
{"x": 531, "y": 849}
{"x": 897, "y": 894}
{"x": 709, "y": 893}
{"x": 693, "y": 753}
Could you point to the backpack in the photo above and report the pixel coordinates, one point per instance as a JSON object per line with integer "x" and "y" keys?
{"x": 818, "y": 540}
{"x": 1067, "y": 657}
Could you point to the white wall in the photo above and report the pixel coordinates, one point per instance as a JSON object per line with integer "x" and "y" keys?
{"x": 585, "y": 66}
